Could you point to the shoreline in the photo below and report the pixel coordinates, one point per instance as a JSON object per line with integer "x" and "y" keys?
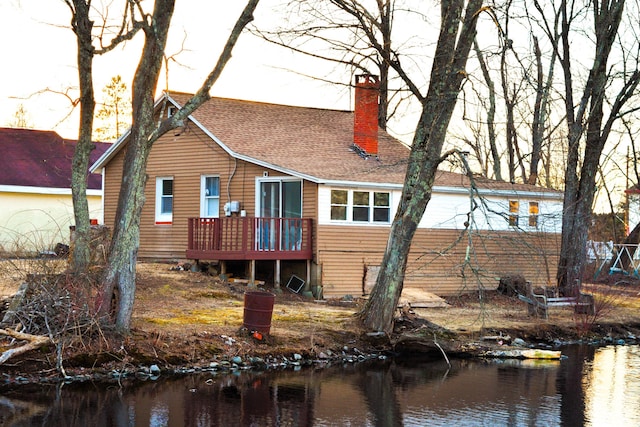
{"x": 185, "y": 320}
{"x": 144, "y": 367}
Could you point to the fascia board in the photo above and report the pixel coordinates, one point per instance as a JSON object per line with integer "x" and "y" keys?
{"x": 43, "y": 190}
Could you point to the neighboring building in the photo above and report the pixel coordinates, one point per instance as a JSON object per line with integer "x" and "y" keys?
{"x": 35, "y": 190}
{"x": 283, "y": 190}
{"x": 633, "y": 207}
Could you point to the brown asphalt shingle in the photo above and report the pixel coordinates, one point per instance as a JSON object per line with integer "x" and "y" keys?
{"x": 315, "y": 142}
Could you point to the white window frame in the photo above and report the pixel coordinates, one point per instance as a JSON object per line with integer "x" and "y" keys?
{"x": 164, "y": 218}
{"x": 341, "y": 205}
{"x": 513, "y": 216}
{"x": 371, "y": 208}
{"x": 204, "y": 197}
{"x": 280, "y": 180}
{"x": 534, "y": 216}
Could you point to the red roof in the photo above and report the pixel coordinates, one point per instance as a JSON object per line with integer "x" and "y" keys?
{"x": 36, "y": 158}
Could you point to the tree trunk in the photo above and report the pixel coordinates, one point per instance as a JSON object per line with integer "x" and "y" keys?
{"x": 580, "y": 189}
{"x": 120, "y": 273}
{"x": 123, "y": 253}
{"x": 491, "y": 113}
{"x": 82, "y": 26}
{"x": 454, "y": 43}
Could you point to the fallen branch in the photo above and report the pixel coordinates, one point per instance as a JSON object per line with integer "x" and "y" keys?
{"x": 441, "y": 349}
{"x": 33, "y": 342}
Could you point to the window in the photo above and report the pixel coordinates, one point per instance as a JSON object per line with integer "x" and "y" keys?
{"x": 339, "y": 201}
{"x": 514, "y": 207}
{"x": 533, "y": 214}
{"x": 381, "y": 207}
{"x": 360, "y": 206}
{"x": 210, "y": 196}
{"x": 164, "y": 200}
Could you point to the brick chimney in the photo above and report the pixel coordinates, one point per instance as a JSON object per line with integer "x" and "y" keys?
{"x": 365, "y": 123}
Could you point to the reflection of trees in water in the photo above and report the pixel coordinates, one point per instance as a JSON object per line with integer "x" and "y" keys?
{"x": 570, "y": 387}
{"x": 15, "y": 411}
{"x": 380, "y": 396}
{"x": 380, "y": 392}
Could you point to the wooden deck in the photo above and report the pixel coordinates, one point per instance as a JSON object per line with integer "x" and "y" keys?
{"x": 250, "y": 238}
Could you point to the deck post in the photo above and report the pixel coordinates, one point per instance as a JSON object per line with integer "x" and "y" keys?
{"x": 252, "y": 272}
{"x": 277, "y": 275}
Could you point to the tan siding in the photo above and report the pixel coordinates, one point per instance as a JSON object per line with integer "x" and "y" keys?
{"x": 436, "y": 262}
{"x": 187, "y": 157}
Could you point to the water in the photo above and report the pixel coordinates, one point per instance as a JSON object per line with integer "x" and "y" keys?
{"x": 592, "y": 387}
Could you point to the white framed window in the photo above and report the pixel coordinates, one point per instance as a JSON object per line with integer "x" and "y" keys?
{"x": 514, "y": 209}
{"x": 534, "y": 211}
{"x": 210, "y": 196}
{"x": 381, "y": 207}
{"x": 361, "y": 206}
{"x": 164, "y": 200}
{"x": 339, "y": 205}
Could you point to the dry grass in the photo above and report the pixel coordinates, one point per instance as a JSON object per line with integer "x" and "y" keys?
{"x": 182, "y": 317}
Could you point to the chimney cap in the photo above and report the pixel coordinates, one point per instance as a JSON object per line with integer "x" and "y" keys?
{"x": 370, "y": 79}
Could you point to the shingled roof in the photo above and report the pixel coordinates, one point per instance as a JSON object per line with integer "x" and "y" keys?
{"x": 36, "y": 158}
{"x": 312, "y": 143}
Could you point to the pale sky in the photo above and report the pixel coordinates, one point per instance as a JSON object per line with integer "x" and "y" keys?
{"x": 39, "y": 53}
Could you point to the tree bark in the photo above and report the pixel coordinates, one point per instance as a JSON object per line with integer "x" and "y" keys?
{"x": 447, "y": 74}
{"x": 120, "y": 273}
{"x": 82, "y": 27}
{"x": 580, "y": 178}
{"x": 491, "y": 113}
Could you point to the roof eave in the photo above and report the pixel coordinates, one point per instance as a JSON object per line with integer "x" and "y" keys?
{"x": 116, "y": 146}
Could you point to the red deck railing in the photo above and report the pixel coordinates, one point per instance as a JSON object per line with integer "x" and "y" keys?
{"x": 245, "y": 238}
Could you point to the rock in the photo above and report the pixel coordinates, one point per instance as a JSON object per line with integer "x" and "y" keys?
{"x": 519, "y": 342}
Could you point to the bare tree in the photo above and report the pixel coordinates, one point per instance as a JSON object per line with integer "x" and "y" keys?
{"x": 589, "y": 123}
{"x": 20, "y": 118}
{"x": 334, "y": 26}
{"x": 147, "y": 128}
{"x": 491, "y": 113}
{"x": 455, "y": 40}
{"x": 82, "y": 25}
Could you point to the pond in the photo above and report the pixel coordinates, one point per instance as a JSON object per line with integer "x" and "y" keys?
{"x": 591, "y": 386}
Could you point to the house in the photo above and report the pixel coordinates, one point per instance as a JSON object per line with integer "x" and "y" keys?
{"x": 282, "y": 192}
{"x": 35, "y": 190}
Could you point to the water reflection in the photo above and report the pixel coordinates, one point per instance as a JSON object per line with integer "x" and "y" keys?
{"x": 592, "y": 387}
{"x": 612, "y": 387}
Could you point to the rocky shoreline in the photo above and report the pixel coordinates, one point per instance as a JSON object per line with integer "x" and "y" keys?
{"x": 370, "y": 347}
{"x": 201, "y": 331}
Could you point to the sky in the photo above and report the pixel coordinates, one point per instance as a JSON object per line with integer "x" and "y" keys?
{"x": 39, "y": 58}
{"x": 39, "y": 53}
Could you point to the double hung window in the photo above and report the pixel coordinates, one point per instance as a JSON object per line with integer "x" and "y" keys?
{"x": 164, "y": 200}
{"x": 210, "y": 196}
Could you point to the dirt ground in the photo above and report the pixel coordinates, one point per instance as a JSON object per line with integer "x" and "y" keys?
{"x": 184, "y": 318}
